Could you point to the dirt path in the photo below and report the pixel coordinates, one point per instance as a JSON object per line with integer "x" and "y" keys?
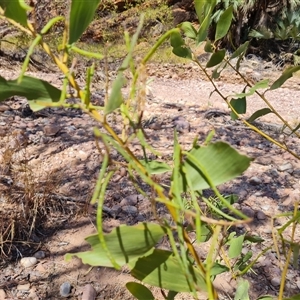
{"x": 60, "y": 147}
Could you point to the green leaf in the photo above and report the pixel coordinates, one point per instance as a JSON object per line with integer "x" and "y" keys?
{"x": 204, "y": 9}
{"x": 139, "y": 291}
{"x": 240, "y": 105}
{"x": 205, "y": 233}
{"x": 171, "y": 295}
{"x": 218, "y": 269}
{"x": 253, "y": 238}
{"x": 240, "y": 50}
{"x": 179, "y": 47}
{"x": 116, "y": 98}
{"x": 125, "y": 243}
{"x": 235, "y": 246}
{"x": 208, "y": 47}
{"x": 295, "y": 297}
{"x": 33, "y": 89}
{"x": 259, "y": 85}
{"x": 242, "y": 290}
{"x": 224, "y": 23}
{"x": 219, "y": 160}
{"x": 216, "y": 58}
{"x": 16, "y": 10}
{"x": 189, "y": 30}
{"x": 156, "y": 167}
{"x": 160, "y": 268}
{"x": 259, "y": 113}
{"x": 81, "y": 15}
{"x": 266, "y": 297}
{"x": 288, "y": 73}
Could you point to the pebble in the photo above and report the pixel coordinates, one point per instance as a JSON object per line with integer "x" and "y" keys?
{"x": 89, "y": 293}
{"x": 65, "y": 289}
{"x": 296, "y": 173}
{"x": 131, "y": 200}
{"x": 249, "y": 212}
{"x": 275, "y": 281}
{"x": 265, "y": 207}
{"x": 261, "y": 215}
{"x": 51, "y": 129}
{"x": 115, "y": 210}
{"x": 132, "y": 210}
{"x": 28, "y": 262}
{"x": 39, "y": 255}
{"x": 255, "y": 180}
{"x": 285, "y": 167}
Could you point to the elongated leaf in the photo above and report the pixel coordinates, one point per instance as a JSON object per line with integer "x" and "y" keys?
{"x": 259, "y": 113}
{"x": 219, "y": 160}
{"x": 33, "y": 89}
{"x": 242, "y": 291}
{"x": 240, "y": 106}
{"x": 16, "y": 10}
{"x": 81, "y": 15}
{"x": 161, "y": 269}
{"x": 288, "y": 73}
{"x": 240, "y": 50}
{"x": 116, "y": 98}
{"x": 171, "y": 295}
{"x": 253, "y": 238}
{"x": 259, "y": 85}
{"x": 204, "y": 9}
{"x": 266, "y": 297}
{"x": 236, "y": 245}
{"x": 139, "y": 291}
{"x": 125, "y": 243}
{"x": 189, "y": 30}
{"x": 216, "y": 58}
{"x": 224, "y": 23}
{"x": 156, "y": 167}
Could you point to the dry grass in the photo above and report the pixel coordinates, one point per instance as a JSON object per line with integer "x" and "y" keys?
{"x": 28, "y": 205}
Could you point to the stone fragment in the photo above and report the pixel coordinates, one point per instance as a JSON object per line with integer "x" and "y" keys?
{"x": 39, "y": 255}
{"x": 261, "y": 215}
{"x": 51, "y": 129}
{"x": 65, "y": 289}
{"x": 28, "y": 262}
{"x": 285, "y": 167}
{"x": 275, "y": 281}
{"x": 23, "y": 287}
{"x": 131, "y": 200}
{"x": 89, "y": 293}
{"x": 249, "y": 212}
{"x": 255, "y": 180}
{"x": 129, "y": 209}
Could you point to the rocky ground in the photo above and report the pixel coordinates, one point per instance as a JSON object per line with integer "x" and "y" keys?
{"x": 58, "y": 149}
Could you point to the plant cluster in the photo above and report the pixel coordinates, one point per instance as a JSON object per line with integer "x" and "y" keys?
{"x": 203, "y": 166}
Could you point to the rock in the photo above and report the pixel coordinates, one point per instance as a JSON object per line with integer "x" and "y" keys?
{"x": 51, "y": 129}
{"x": 296, "y": 173}
{"x": 131, "y": 200}
{"x": 115, "y": 210}
{"x": 275, "y": 281}
{"x": 249, "y": 212}
{"x": 39, "y": 255}
{"x": 33, "y": 296}
{"x": 255, "y": 180}
{"x": 23, "y": 287}
{"x": 285, "y": 167}
{"x": 129, "y": 209}
{"x": 265, "y": 161}
{"x": 89, "y": 293}
{"x": 2, "y": 295}
{"x": 28, "y": 262}
{"x": 261, "y": 215}
{"x": 65, "y": 289}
